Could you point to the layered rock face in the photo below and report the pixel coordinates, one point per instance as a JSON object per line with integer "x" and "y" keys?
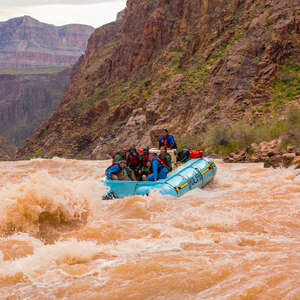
{"x": 32, "y": 81}
{"x": 26, "y": 100}
{"x": 178, "y": 64}
{"x": 7, "y": 150}
{"x": 26, "y": 42}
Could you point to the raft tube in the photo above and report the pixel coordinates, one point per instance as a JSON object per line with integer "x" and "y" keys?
{"x": 195, "y": 173}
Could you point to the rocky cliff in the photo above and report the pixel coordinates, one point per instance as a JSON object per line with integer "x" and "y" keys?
{"x": 26, "y": 100}
{"x": 7, "y": 150}
{"x": 26, "y": 42}
{"x": 181, "y": 64}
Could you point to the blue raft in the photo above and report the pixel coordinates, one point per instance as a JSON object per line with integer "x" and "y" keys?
{"x": 195, "y": 173}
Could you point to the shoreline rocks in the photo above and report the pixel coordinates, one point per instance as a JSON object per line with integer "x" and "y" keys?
{"x": 272, "y": 154}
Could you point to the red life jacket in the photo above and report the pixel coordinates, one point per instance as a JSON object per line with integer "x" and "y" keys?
{"x": 162, "y": 162}
{"x": 144, "y": 160}
{"x": 133, "y": 161}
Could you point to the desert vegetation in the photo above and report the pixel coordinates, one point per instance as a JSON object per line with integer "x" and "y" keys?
{"x": 223, "y": 138}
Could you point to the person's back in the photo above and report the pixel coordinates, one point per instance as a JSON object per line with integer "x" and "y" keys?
{"x": 120, "y": 155}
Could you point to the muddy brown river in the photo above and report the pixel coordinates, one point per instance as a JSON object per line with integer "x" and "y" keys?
{"x": 238, "y": 238}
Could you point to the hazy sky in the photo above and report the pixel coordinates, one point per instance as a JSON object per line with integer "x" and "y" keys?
{"x": 61, "y": 12}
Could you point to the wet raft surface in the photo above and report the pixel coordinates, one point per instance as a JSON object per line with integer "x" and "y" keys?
{"x": 238, "y": 238}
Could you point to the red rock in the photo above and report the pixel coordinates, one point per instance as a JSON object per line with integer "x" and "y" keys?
{"x": 186, "y": 67}
{"x": 296, "y": 162}
{"x": 27, "y": 42}
{"x": 288, "y": 158}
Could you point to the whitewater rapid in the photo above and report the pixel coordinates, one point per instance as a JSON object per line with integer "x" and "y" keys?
{"x": 238, "y": 238}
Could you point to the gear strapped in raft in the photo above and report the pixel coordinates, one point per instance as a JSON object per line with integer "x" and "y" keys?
{"x": 194, "y": 173}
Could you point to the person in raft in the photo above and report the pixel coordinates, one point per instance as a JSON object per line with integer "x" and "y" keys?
{"x": 119, "y": 171}
{"x": 120, "y": 155}
{"x": 165, "y": 157}
{"x": 167, "y": 140}
{"x": 133, "y": 160}
{"x": 160, "y": 170}
{"x": 145, "y": 171}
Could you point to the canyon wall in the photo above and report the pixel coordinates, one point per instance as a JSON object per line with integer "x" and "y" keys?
{"x": 180, "y": 64}
{"x": 34, "y": 74}
{"x": 7, "y": 150}
{"x": 26, "y": 42}
{"x": 26, "y": 100}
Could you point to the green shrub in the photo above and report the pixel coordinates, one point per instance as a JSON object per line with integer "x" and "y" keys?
{"x": 293, "y": 126}
{"x": 188, "y": 142}
{"x": 37, "y": 154}
{"x": 223, "y": 138}
{"x": 287, "y": 86}
{"x": 219, "y": 139}
{"x": 243, "y": 134}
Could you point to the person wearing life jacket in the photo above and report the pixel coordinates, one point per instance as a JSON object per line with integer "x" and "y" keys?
{"x": 167, "y": 140}
{"x": 119, "y": 171}
{"x": 120, "y": 155}
{"x": 133, "y": 160}
{"x": 165, "y": 157}
{"x": 144, "y": 157}
{"x": 159, "y": 169}
{"x": 145, "y": 171}
{"x": 144, "y": 160}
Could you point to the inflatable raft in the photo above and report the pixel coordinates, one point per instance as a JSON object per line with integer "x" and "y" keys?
{"x": 195, "y": 173}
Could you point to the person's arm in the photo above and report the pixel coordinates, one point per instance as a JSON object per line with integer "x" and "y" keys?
{"x": 161, "y": 143}
{"x": 111, "y": 170}
{"x": 171, "y": 141}
{"x": 169, "y": 162}
{"x": 133, "y": 177}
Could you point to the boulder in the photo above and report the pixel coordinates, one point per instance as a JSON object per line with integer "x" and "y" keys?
{"x": 296, "y": 162}
{"x": 288, "y": 158}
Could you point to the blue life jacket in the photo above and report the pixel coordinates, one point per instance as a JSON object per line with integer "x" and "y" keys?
{"x": 170, "y": 142}
{"x": 113, "y": 169}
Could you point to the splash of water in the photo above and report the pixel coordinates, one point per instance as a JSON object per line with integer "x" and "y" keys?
{"x": 236, "y": 239}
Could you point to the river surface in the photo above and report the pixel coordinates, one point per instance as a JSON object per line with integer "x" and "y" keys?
{"x": 238, "y": 238}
